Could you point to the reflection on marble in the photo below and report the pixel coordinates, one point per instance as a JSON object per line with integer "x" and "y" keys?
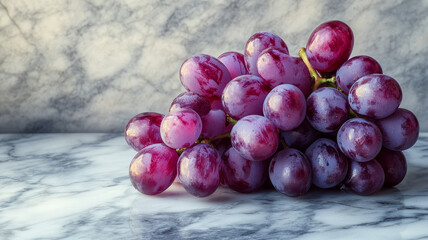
{"x": 89, "y": 66}
{"x": 76, "y": 186}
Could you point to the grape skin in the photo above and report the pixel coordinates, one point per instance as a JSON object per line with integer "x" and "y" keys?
{"x": 143, "y": 130}
{"x": 394, "y": 165}
{"x": 234, "y": 62}
{"x": 213, "y": 124}
{"x": 181, "y": 128}
{"x": 191, "y": 100}
{"x": 301, "y": 137}
{"x": 365, "y": 178}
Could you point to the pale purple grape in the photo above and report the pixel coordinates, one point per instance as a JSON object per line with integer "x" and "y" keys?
{"x": 143, "y": 130}
{"x": 375, "y": 96}
{"x": 213, "y": 124}
{"x": 285, "y": 106}
{"x": 244, "y": 96}
{"x": 199, "y": 169}
{"x": 301, "y": 137}
{"x": 355, "y": 68}
{"x": 243, "y": 175}
{"x": 359, "y": 139}
{"x": 255, "y": 138}
{"x": 394, "y": 165}
{"x": 205, "y": 75}
{"x": 365, "y": 178}
{"x": 234, "y": 62}
{"x": 256, "y": 44}
{"x": 181, "y": 128}
{"x": 153, "y": 169}
{"x": 327, "y": 109}
{"x": 290, "y": 172}
{"x": 277, "y": 67}
{"x": 400, "y": 131}
{"x": 191, "y": 100}
{"x": 329, "y": 46}
{"x": 329, "y": 165}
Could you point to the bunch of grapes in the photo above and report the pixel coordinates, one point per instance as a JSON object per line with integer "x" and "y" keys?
{"x": 318, "y": 119}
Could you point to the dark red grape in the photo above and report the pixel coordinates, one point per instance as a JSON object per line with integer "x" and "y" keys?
{"x": 355, "y": 68}
{"x": 199, "y": 169}
{"x": 359, "y": 139}
{"x": 290, "y": 172}
{"x": 375, "y": 96}
{"x": 243, "y": 175}
{"x": 277, "y": 67}
{"x": 394, "y": 165}
{"x": 191, "y": 100}
{"x": 285, "y": 106}
{"x": 400, "y": 130}
{"x": 143, "y": 130}
{"x": 329, "y": 165}
{"x": 255, "y": 138}
{"x": 256, "y": 44}
{"x": 300, "y": 137}
{"x": 329, "y": 46}
{"x": 234, "y": 62}
{"x": 213, "y": 124}
{"x": 365, "y": 178}
{"x": 153, "y": 169}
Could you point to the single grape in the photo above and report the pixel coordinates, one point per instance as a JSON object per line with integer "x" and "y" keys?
{"x": 365, "y": 178}
{"x": 234, "y": 62}
{"x": 243, "y": 175}
{"x": 301, "y": 137}
{"x": 290, "y": 172}
{"x": 256, "y": 44}
{"x": 285, "y": 106}
{"x": 359, "y": 139}
{"x": 327, "y": 109}
{"x": 191, "y": 100}
{"x": 375, "y": 96}
{"x": 181, "y": 128}
{"x": 199, "y": 169}
{"x": 355, "y": 68}
{"x": 205, "y": 75}
{"x": 394, "y": 165}
{"x": 143, "y": 130}
{"x": 244, "y": 96}
{"x": 255, "y": 138}
{"x": 153, "y": 169}
{"x": 213, "y": 124}
{"x": 329, "y": 46}
{"x": 329, "y": 165}
{"x": 277, "y": 67}
{"x": 400, "y": 131}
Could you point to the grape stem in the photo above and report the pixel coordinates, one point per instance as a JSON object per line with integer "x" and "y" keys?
{"x": 317, "y": 80}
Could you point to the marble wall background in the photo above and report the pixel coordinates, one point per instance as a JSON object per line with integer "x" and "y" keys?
{"x": 90, "y": 65}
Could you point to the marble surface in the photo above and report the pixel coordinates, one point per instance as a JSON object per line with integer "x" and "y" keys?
{"x": 76, "y": 186}
{"x": 90, "y": 65}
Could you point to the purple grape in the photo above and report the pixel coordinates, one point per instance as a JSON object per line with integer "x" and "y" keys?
{"x": 400, "y": 131}
{"x": 394, "y": 165}
{"x": 256, "y": 44}
{"x": 359, "y": 139}
{"x": 244, "y": 96}
{"x": 355, "y": 68}
{"x": 329, "y": 165}
{"x": 191, "y": 100}
{"x": 327, "y": 109}
{"x": 255, "y": 138}
{"x": 181, "y": 128}
{"x": 153, "y": 169}
{"x": 243, "y": 175}
{"x": 329, "y": 46}
{"x": 143, "y": 130}
{"x": 199, "y": 169}
{"x": 277, "y": 67}
{"x": 234, "y": 62}
{"x": 285, "y": 106}
{"x": 300, "y": 137}
{"x": 290, "y": 172}
{"x": 365, "y": 178}
{"x": 213, "y": 124}
{"x": 205, "y": 75}
{"x": 375, "y": 96}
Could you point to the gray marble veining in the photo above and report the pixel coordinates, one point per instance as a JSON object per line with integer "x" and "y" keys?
{"x": 76, "y": 186}
{"x": 90, "y": 65}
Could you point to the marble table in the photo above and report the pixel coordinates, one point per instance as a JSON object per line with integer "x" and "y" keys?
{"x": 76, "y": 186}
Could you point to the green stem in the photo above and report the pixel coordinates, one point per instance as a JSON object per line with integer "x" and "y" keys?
{"x": 353, "y": 114}
{"x": 230, "y": 120}
{"x": 284, "y": 145}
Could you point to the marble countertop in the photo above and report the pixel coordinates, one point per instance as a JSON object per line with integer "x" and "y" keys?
{"x": 76, "y": 186}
